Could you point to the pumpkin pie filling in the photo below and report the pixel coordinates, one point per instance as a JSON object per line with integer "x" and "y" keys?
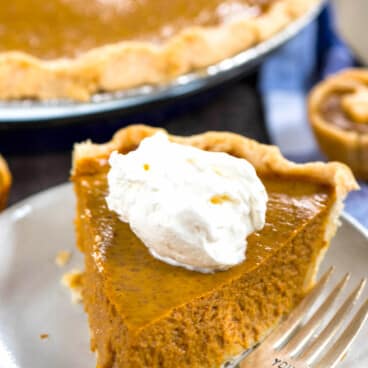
{"x": 333, "y": 112}
{"x": 67, "y": 28}
{"x": 72, "y": 49}
{"x": 133, "y": 299}
{"x": 147, "y": 288}
{"x": 146, "y": 313}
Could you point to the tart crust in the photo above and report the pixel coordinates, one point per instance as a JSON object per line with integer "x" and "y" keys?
{"x": 5, "y": 182}
{"x": 129, "y": 64}
{"x": 348, "y": 146}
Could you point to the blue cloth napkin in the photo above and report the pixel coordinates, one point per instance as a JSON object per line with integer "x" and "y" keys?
{"x": 285, "y": 80}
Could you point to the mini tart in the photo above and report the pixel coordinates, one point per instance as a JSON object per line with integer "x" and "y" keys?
{"x": 5, "y": 182}
{"x": 338, "y": 112}
{"x": 145, "y": 313}
{"x": 72, "y": 49}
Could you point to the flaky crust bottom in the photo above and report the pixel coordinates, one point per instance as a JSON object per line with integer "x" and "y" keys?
{"x": 130, "y": 64}
{"x": 349, "y": 147}
{"x": 5, "y": 182}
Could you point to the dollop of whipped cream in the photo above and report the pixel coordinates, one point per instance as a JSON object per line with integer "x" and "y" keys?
{"x": 191, "y": 208}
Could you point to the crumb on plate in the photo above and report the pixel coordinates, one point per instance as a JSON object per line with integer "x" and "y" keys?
{"x": 63, "y": 257}
{"x": 44, "y": 336}
{"x": 74, "y": 281}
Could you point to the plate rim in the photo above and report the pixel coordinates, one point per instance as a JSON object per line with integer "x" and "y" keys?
{"x": 8, "y": 215}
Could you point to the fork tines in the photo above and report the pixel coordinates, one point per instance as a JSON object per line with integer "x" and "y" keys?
{"x": 297, "y": 344}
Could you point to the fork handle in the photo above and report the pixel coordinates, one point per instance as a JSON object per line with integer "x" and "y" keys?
{"x": 264, "y": 357}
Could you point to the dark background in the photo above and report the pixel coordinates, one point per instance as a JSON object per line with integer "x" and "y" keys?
{"x": 40, "y": 157}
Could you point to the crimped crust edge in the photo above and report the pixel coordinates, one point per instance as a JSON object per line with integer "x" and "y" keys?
{"x": 267, "y": 159}
{"x": 130, "y": 64}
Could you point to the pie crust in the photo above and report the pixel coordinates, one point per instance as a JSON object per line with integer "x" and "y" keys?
{"x": 5, "y": 182}
{"x": 129, "y": 64}
{"x": 88, "y": 157}
{"x": 348, "y": 145}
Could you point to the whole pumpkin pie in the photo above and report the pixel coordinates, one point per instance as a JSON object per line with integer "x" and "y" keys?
{"x": 146, "y": 313}
{"x": 338, "y": 111}
{"x": 5, "y": 182}
{"x": 73, "y": 48}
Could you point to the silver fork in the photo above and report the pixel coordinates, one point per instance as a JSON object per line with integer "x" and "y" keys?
{"x": 294, "y": 346}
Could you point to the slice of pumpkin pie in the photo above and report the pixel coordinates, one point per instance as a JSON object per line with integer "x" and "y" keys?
{"x": 191, "y": 254}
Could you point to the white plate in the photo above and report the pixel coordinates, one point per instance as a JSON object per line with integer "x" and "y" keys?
{"x": 33, "y": 302}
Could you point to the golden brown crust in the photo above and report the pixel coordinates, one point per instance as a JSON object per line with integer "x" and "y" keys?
{"x": 5, "y": 182}
{"x": 129, "y": 64}
{"x": 88, "y": 157}
{"x": 350, "y": 147}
